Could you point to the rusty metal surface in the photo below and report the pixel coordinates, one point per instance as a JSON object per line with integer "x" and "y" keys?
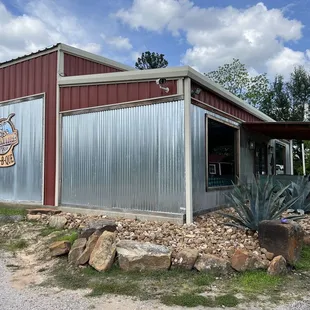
{"x": 30, "y": 77}
{"x": 129, "y": 159}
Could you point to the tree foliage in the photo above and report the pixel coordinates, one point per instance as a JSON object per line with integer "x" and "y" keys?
{"x": 150, "y": 60}
{"x": 235, "y": 78}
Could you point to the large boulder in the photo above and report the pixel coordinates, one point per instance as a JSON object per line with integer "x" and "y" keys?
{"x": 76, "y": 251}
{"x": 213, "y": 265}
{"x": 98, "y": 227}
{"x": 133, "y": 255}
{"x": 90, "y": 245}
{"x": 103, "y": 254}
{"x": 59, "y": 248}
{"x": 186, "y": 258}
{"x": 57, "y": 221}
{"x": 284, "y": 239}
{"x": 277, "y": 266}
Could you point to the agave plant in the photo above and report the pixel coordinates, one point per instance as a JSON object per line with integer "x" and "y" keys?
{"x": 300, "y": 189}
{"x": 257, "y": 202}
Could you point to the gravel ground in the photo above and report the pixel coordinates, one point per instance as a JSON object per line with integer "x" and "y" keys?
{"x": 39, "y": 298}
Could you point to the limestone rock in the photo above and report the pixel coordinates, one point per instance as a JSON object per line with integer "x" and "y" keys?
{"x": 59, "y": 248}
{"x": 240, "y": 261}
{"x": 90, "y": 245}
{"x": 186, "y": 259}
{"x": 269, "y": 255}
{"x": 33, "y": 217}
{"x": 76, "y": 251}
{"x": 277, "y": 266}
{"x": 98, "y": 227}
{"x": 306, "y": 240}
{"x": 57, "y": 221}
{"x": 133, "y": 255}
{"x": 103, "y": 254}
{"x": 43, "y": 211}
{"x": 213, "y": 264}
{"x": 281, "y": 239}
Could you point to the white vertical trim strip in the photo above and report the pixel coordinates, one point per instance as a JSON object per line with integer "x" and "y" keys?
{"x": 188, "y": 152}
{"x": 60, "y": 70}
{"x": 291, "y": 157}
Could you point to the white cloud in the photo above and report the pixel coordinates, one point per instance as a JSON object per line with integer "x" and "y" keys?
{"x": 43, "y": 24}
{"x": 256, "y": 35}
{"x": 118, "y": 43}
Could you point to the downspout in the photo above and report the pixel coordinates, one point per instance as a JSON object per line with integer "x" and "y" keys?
{"x": 188, "y": 151}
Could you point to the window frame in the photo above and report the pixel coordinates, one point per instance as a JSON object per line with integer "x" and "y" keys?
{"x": 236, "y": 152}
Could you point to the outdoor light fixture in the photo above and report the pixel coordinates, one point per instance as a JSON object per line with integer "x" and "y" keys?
{"x": 196, "y": 91}
{"x": 251, "y": 145}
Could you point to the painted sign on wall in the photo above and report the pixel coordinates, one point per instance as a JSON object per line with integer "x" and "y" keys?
{"x": 8, "y": 140}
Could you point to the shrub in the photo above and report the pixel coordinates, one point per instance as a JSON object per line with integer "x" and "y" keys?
{"x": 257, "y": 202}
{"x": 301, "y": 190}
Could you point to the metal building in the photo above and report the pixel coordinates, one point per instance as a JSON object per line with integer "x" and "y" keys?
{"x": 89, "y": 132}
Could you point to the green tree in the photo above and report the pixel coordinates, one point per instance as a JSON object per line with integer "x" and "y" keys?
{"x": 235, "y": 78}
{"x": 150, "y": 60}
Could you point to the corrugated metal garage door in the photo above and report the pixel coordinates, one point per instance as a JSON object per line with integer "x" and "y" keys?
{"x": 22, "y": 182}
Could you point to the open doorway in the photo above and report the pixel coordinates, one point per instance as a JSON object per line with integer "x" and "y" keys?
{"x": 222, "y": 150}
{"x": 280, "y": 159}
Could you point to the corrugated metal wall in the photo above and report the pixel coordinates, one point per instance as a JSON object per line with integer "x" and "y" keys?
{"x": 126, "y": 158}
{"x": 202, "y": 200}
{"x": 23, "y": 181}
{"x": 29, "y": 77}
{"x": 224, "y": 105}
{"x": 77, "y": 97}
{"x": 75, "y": 65}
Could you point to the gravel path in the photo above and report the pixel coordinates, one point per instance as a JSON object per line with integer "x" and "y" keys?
{"x": 39, "y": 298}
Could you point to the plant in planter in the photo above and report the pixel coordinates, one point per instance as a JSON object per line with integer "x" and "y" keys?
{"x": 301, "y": 189}
{"x": 257, "y": 202}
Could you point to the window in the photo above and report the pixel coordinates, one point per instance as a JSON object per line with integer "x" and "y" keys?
{"x": 222, "y": 153}
{"x": 280, "y": 159}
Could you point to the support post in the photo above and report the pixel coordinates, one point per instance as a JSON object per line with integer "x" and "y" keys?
{"x": 291, "y": 157}
{"x": 188, "y": 152}
{"x": 303, "y": 158}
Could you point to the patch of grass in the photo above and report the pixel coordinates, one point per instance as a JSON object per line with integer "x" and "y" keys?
{"x": 7, "y": 211}
{"x": 17, "y": 245}
{"x": 48, "y": 230}
{"x": 69, "y": 236}
{"x": 203, "y": 279}
{"x": 227, "y": 300}
{"x": 187, "y": 300}
{"x": 304, "y": 262}
{"x": 115, "y": 287}
{"x": 257, "y": 281}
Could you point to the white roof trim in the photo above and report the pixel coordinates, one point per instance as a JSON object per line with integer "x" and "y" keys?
{"x": 168, "y": 73}
{"x": 100, "y": 59}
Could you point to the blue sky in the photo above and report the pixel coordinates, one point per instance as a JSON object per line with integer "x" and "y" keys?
{"x": 270, "y": 36}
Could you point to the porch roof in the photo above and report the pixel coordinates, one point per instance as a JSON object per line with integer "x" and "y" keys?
{"x": 280, "y": 130}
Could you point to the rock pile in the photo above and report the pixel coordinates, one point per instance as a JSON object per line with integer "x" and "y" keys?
{"x": 207, "y": 237}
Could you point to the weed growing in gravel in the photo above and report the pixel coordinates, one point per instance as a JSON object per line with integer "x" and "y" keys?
{"x": 48, "y": 230}
{"x": 70, "y": 236}
{"x": 227, "y": 300}
{"x": 17, "y": 245}
{"x": 304, "y": 262}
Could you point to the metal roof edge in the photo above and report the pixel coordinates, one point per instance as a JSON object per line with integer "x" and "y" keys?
{"x": 100, "y": 59}
{"x": 217, "y": 88}
{"x": 26, "y": 57}
{"x": 127, "y": 76}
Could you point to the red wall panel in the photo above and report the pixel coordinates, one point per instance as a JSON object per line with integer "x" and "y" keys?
{"x": 75, "y": 65}
{"x": 225, "y": 105}
{"x": 77, "y": 97}
{"x": 30, "y": 77}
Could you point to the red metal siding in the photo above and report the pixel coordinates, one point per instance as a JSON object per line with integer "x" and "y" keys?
{"x": 74, "y": 65}
{"x": 30, "y": 77}
{"x": 77, "y": 97}
{"x": 225, "y": 105}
